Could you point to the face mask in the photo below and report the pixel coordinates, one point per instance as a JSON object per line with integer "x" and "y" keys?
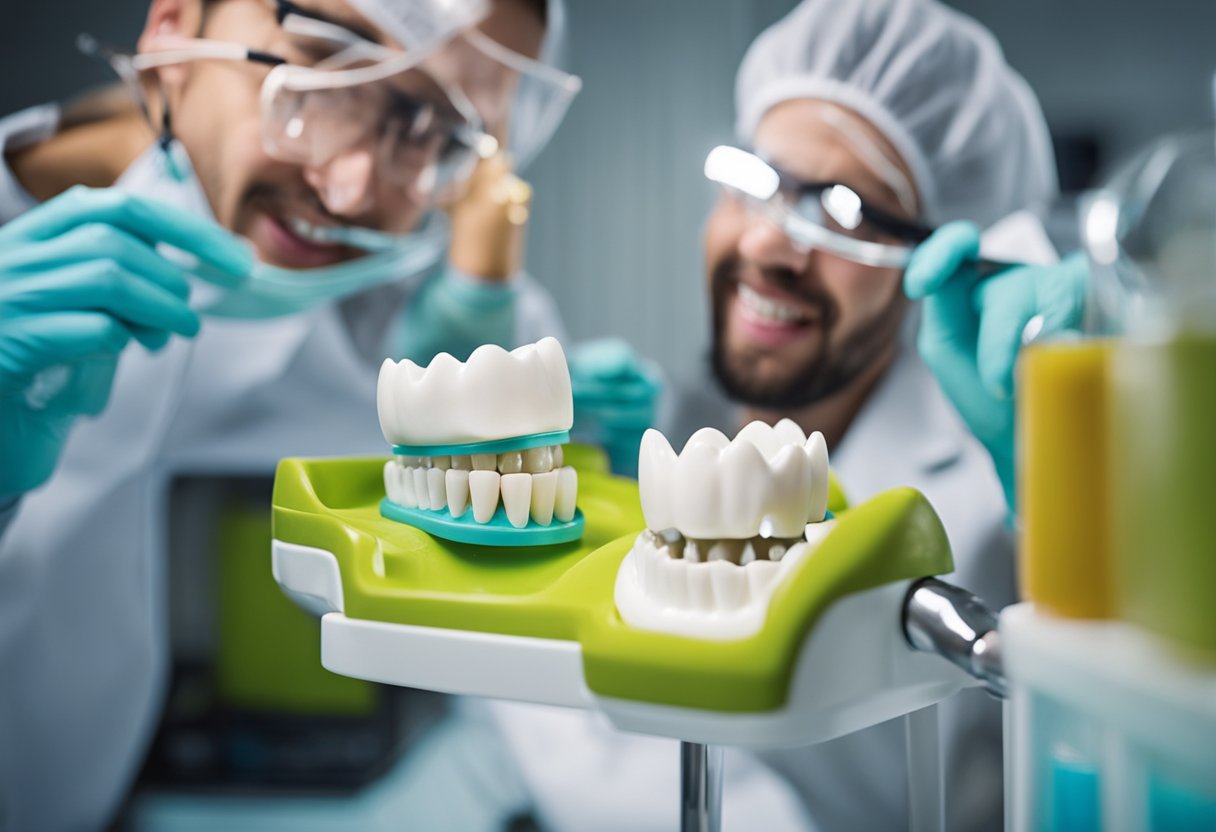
{"x": 272, "y": 291}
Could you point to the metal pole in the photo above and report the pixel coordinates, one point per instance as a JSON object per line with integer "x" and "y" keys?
{"x": 700, "y": 787}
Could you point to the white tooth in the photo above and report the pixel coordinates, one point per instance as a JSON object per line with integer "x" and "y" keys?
{"x": 457, "y": 482}
{"x": 692, "y": 552}
{"x": 391, "y": 481}
{"x": 769, "y": 440}
{"x": 544, "y": 493}
{"x": 644, "y": 563}
{"x": 462, "y": 463}
{"x": 816, "y": 532}
{"x": 538, "y": 460}
{"x": 700, "y": 595}
{"x": 719, "y": 551}
{"x": 567, "y": 494}
{"x": 749, "y": 554}
{"x": 516, "y": 494}
{"x": 483, "y": 489}
{"x": 729, "y": 585}
{"x": 776, "y": 552}
{"x": 437, "y": 490}
{"x": 493, "y": 395}
{"x": 409, "y": 496}
{"x": 443, "y": 463}
{"x": 558, "y": 456}
{"x": 761, "y": 577}
{"x": 422, "y": 491}
{"x": 511, "y": 462}
{"x": 485, "y": 462}
{"x": 817, "y": 453}
{"x": 656, "y": 460}
{"x": 673, "y": 581}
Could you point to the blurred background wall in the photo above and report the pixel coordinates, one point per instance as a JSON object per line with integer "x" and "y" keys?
{"x": 619, "y": 196}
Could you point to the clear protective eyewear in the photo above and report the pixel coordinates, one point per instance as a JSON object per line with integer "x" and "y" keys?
{"x": 429, "y": 113}
{"x": 829, "y": 216}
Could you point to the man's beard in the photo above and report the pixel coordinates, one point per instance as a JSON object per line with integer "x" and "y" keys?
{"x": 828, "y": 372}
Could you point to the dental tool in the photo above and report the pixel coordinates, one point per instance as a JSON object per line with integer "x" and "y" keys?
{"x": 477, "y": 446}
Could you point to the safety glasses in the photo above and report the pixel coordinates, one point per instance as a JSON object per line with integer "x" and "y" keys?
{"x": 830, "y": 216}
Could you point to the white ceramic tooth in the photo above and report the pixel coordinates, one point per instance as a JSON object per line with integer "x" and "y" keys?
{"x": 538, "y": 460}
{"x": 483, "y": 491}
{"x": 437, "y": 490}
{"x": 776, "y": 552}
{"x": 771, "y": 439}
{"x": 409, "y": 494}
{"x": 692, "y": 552}
{"x": 485, "y": 462}
{"x": 656, "y": 460}
{"x": 462, "y": 463}
{"x": 493, "y": 395}
{"x": 544, "y": 494}
{"x": 817, "y": 453}
{"x": 457, "y": 482}
{"x": 567, "y": 494}
{"x": 816, "y": 532}
{"x": 749, "y": 554}
{"x": 391, "y": 481}
{"x": 511, "y": 462}
{"x": 422, "y": 492}
{"x": 559, "y": 457}
{"x": 700, "y": 594}
{"x": 644, "y": 562}
{"x": 761, "y": 578}
{"x": 729, "y": 584}
{"x": 673, "y": 581}
{"x": 516, "y": 495}
{"x": 443, "y": 463}
{"x": 719, "y": 551}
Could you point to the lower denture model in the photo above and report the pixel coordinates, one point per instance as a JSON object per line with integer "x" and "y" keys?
{"x": 727, "y": 521}
{"x": 478, "y": 446}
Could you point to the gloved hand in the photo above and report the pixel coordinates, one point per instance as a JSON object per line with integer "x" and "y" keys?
{"x": 616, "y": 395}
{"x": 80, "y": 277}
{"x": 456, "y": 313}
{"x": 971, "y": 330}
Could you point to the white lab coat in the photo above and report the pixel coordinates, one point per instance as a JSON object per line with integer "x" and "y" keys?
{"x": 586, "y": 777}
{"x": 83, "y": 648}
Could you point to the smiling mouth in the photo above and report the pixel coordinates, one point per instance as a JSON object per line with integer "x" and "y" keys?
{"x": 769, "y": 311}
{"x": 285, "y": 240}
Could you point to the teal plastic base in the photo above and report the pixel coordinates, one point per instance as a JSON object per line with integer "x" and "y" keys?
{"x": 494, "y": 446}
{"x": 497, "y": 532}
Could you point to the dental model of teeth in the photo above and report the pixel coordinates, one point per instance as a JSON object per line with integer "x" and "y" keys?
{"x": 469, "y": 437}
{"x": 727, "y": 521}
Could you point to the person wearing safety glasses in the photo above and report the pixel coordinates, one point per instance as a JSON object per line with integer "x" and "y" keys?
{"x": 264, "y": 219}
{"x": 864, "y": 127}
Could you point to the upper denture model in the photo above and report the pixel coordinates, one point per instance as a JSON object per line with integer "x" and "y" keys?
{"x": 727, "y": 520}
{"x": 466, "y": 434}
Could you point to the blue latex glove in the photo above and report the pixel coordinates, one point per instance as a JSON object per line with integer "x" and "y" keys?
{"x": 971, "y": 330}
{"x": 456, "y": 313}
{"x": 616, "y": 394}
{"x": 80, "y": 278}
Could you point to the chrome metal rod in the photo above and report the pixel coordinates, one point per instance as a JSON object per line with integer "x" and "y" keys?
{"x": 700, "y": 787}
{"x": 956, "y": 625}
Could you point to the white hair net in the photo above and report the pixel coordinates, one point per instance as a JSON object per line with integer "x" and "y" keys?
{"x": 932, "y": 81}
